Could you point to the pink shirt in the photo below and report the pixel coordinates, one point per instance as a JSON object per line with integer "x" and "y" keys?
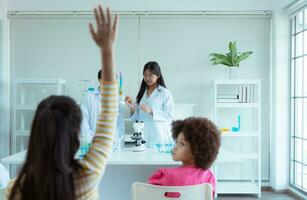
{"x": 181, "y": 176}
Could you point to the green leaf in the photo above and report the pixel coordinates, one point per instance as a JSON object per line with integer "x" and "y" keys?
{"x": 226, "y": 62}
{"x": 243, "y": 56}
{"x": 217, "y": 55}
{"x": 229, "y": 58}
{"x": 217, "y": 61}
{"x": 232, "y": 58}
{"x": 233, "y": 52}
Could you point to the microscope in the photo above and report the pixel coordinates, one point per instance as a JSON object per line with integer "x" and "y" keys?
{"x": 138, "y": 137}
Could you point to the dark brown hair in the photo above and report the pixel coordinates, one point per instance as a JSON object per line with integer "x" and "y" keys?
{"x": 203, "y": 136}
{"x": 154, "y": 68}
{"x": 50, "y": 164}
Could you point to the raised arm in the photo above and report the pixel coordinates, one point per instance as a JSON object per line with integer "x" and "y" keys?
{"x": 104, "y": 37}
{"x": 95, "y": 160}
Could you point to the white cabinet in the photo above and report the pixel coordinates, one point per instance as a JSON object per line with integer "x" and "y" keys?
{"x": 28, "y": 94}
{"x": 237, "y": 112}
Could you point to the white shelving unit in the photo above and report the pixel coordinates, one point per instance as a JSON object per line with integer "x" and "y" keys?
{"x": 238, "y": 100}
{"x": 28, "y": 93}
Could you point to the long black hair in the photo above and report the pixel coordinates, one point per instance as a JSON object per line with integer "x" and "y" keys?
{"x": 154, "y": 68}
{"x": 50, "y": 164}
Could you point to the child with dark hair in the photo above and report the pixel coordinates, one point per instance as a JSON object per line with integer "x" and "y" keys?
{"x": 198, "y": 142}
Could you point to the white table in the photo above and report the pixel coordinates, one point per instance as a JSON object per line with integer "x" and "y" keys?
{"x": 124, "y": 168}
{"x": 125, "y": 157}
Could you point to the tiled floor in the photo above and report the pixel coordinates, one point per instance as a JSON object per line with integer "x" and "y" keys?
{"x": 265, "y": 196}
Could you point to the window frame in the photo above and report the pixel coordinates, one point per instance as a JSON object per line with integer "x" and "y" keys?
{"x": 294, "y": 100}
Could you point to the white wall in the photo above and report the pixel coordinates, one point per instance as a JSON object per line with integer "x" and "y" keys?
{"x": 63, "y": 48}
{"x": 4, "y": 82}
{"x": 280, "y": 138}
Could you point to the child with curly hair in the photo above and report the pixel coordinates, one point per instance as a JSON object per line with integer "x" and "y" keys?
{"x": 198, "y": 142}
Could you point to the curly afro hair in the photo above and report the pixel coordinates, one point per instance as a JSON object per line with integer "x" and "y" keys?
{"x": 203, "y": 136}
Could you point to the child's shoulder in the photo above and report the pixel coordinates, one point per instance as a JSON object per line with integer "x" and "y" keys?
{"x": 183, "y": 169}
{"x": 166, "y": 172}
{"x": 194, "y": 169}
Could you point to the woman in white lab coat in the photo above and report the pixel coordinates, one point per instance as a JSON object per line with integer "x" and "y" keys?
{"x": 154, "y": 106}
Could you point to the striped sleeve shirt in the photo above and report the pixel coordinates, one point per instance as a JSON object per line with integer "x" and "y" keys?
{"x": 95, "y": 161}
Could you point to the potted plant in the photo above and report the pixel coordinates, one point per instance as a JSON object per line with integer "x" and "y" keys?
{"x": 230, "y": 59}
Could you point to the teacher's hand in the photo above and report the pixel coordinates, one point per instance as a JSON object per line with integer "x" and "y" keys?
{"x": 130, "y": 104}
{"x": 146, "y": 108}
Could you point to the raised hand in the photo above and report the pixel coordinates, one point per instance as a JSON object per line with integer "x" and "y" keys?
{"x": 104, "y": 38}
{"x": 105, "y": 34}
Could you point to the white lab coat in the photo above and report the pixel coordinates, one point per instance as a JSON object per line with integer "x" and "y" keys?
{"x": 156, "y": 125}
{"x": 91, "y": 107}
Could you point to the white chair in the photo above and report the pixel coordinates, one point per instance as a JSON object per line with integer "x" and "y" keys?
{"x": 141, "y": 191}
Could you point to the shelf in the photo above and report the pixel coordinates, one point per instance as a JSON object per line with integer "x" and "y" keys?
{"x": 26, "y": 107}
{"x": 234, "y": 187}
{"x": 240, "y": 134}
{"x": 22, "y": 133}
{"x": 236, "y": 105}
{"x": 247, "y": 156}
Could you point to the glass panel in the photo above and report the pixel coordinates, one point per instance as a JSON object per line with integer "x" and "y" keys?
{"x": 298, "y": 77}
{"x": 298, "y": 121}
{"x": 304, "y": 77}
{"x": 292, "y": 177}
{"x": 305, "y": 178}
{"x": 298, "y": 150}
{"x": 298, "y": 174}
{"x": 305, "y": 42}
{"x": 292, "y": 79}
{"x": 305, "y": 19}
{"x": 292, "y": 46}
{"x": 292, "y": 25}
{"x": 299, "y": 22}
{"x": 299, "y": 44}
{"x": 304, "y": 119}
{"x": 305, "y": 152}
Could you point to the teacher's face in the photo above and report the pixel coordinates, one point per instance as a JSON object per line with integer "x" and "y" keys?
{"x": 150, "y": 78}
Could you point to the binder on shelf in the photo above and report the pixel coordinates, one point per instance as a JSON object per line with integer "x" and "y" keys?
{"x": 240, "y": 92}
{"x": 246, "y": 94}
